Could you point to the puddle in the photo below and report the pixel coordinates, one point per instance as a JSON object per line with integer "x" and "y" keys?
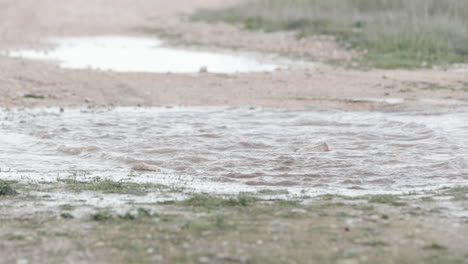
{"x": 229, "y": 150}
{"x": 132, "y": 54}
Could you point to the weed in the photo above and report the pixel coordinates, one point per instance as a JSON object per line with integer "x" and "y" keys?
{"x": 386, "y": 199}
{"x": 66, "y": 215}
{"x": 15, "y": 237}
{"x": 33, "y": 96}
{"x": 207, "y": 201}
{"x": 273, "y": 192}
{"x": 102, "y": 216}
{"x": 375, "y": 243}
{"x": 108, "y": 186}
{"x": 6, "y": 189}
{"x": 67, "y": 207}
{"x": 435, "y": 246}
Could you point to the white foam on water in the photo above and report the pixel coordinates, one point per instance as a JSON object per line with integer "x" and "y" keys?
{"x": 138, "y": 54}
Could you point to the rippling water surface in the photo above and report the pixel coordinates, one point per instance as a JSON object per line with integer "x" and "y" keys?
{"x": 240, "y": 149}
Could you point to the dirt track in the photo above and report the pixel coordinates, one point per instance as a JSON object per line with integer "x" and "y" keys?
{"x": 26, "y": 22}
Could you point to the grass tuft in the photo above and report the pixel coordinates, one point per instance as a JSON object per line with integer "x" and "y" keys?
{"x": 108, "y": 186}
{"x": 34, "y": 96}
{"x": 66, "y": 216}
{"x": 207, "y": 201}
{"x": 435, "y": 246}
{"x": 102, "y": 216}
{"x": 6, "y": 189}
{"x": 386, "y": 199}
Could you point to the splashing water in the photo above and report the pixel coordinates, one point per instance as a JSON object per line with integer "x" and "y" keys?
{"x": 238, "y": 149}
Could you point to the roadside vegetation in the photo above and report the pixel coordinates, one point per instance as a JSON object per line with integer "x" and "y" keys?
{"x": 389, "y": 33}
{"x": 6, "y": 189}
{"x": 240, "y": 229}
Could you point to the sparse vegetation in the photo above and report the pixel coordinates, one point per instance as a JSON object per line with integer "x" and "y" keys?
{"x": 66, "y": 215}
{"x": 210, "y": 202}
{"x": 34, "y": 96}
{"x": 435, "y": 246}
{"x": 387, "y": 199}
{"x": 108, "y": 186}
{"x": 390, "y": 34}
{"x": 102, "y": 216}
{"x": 6, "y": 189}
{"x": 273, "y": 192}
{"x": 67, "y": 207}
{"x": 256, "y": 231}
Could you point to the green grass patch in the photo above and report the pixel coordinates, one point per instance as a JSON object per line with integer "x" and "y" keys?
{"x": 391, "y": 34}
{"x": 66, "y": 216}
{"x": 34, "y": 96}
{"x": 67, "y": 207}
{"x": 6, "y": 189}
{"x": 211, "y": 202}
{"x": 387, "y": 199}
{"x": 108, "y": 186}
{"x": 435, "y": 246}
{"x": 102, "y": 216}
{"x": 273, "y": 192}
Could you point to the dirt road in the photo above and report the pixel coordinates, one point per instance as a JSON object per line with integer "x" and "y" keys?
{"x": 25, "y": 23}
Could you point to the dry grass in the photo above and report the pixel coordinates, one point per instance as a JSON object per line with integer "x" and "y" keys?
{"x": 392, "y": 33}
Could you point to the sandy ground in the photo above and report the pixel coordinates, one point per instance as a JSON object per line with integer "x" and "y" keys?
{"x": 25, "y": 23}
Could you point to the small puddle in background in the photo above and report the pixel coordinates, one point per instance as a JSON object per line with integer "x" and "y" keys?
{"x": 231, "y": 150}
{"x": 137, "y": 54}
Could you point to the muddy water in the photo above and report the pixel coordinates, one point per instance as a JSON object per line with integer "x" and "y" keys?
{"x": 137, "y": 54}
{"x": 240, "y": 149}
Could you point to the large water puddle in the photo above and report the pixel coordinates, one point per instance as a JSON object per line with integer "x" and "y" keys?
{"x": 229, "y": 150}
{"x": 137, "y": 54}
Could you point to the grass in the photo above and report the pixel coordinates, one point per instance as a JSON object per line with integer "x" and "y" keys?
{"x": 108, "y": 186}
{"x": 386, "y": 199}
{"x": 102, "y": 216}
{"x": 66, "y": 216}
{"x": 389, "y": 33}
{"x": 435, "y": 246}
{"x": 236, "y": 229}
{"x": 457, "y": 193}
{"x": 34, "y": 96}
{"x": 211, "y": 202}
{"x": 6, "y": 189}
